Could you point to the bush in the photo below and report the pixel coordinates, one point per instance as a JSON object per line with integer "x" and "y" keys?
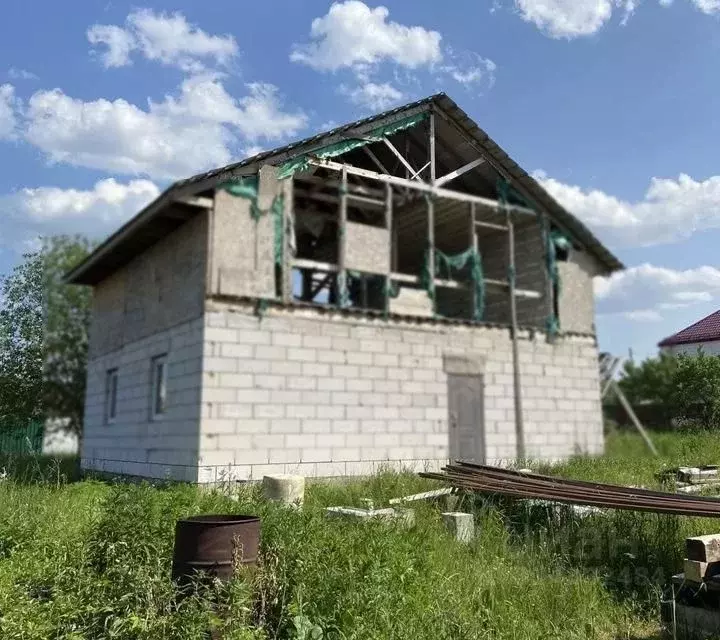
{"x": 667, "y": 390}
{"x": 696, "y": 390}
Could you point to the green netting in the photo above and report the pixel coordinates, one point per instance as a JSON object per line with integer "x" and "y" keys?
{"x": 330, "y": 151}
{"x": 247, "y": 187}
{"x": 444, "y": 266}
{"x": 552, "y": 241}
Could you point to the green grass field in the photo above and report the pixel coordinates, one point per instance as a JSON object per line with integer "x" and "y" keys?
{"x": 91, "y": 560}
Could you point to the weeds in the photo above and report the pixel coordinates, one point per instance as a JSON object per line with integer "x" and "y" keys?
{"x": 91, "y": 561}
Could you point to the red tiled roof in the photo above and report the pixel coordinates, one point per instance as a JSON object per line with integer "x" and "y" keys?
{"x": 703, "y": 330}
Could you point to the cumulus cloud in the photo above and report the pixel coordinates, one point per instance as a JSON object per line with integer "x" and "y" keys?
{"x": 166, "y": 38}
{"x": 671, "y": 209}
{"x": 373, "y": 95}
{"x": 567, "y": 18}
{"x": 195, "y": 130}
{"x": 646, "y": 292}
{"x": 351, "y": 34}
{"x": 9, "y": 105}
{"x": 707, "y": 6}
{"x": 577, "y": 18}
{"x": 37, "y": 211}
{"x": 107, "y": 201}
{"x": 361, "y": 40}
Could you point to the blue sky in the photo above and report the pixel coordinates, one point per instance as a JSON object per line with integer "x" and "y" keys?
{"x": 614, "y": 105}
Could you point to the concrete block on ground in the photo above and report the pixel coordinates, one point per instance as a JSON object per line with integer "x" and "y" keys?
{"x": 460, "y": 525}
{"x": 703, "y": 548}
{"x": 696, "y": 571}
{"x": 285, "y": 488}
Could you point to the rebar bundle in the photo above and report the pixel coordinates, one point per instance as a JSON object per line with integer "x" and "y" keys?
{"x": 518, "y": 484}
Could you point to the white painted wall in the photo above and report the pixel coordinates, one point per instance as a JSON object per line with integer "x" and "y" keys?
{"x": 711, "y": 348}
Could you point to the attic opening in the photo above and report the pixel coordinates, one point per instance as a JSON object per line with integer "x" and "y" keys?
{"x": 368, "y": 244}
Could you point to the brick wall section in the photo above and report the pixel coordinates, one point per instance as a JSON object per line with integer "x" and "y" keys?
{"x": 134, "y": 444}
{"x": 160, "y": 288}
{"x": 577, "y": 300}
{"x": 530, "y": 270}
{"x": 319, "y": 394}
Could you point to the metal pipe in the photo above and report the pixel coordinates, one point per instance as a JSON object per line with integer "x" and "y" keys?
{"x": 341, "y": 284}
{"x": 517, "y": 383}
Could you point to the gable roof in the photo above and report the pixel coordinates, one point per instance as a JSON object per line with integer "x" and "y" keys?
{"x": 152, "y": 223}
{"x": 705, "y": 330}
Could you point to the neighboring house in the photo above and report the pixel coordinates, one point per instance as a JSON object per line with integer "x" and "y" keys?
{"x": 354, "y": 300}
{"x": 704, "y": 334}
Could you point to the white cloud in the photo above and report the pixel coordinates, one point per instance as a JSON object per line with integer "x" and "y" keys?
{"x": 468, "y": 68}
{"x": 576, "y": 18}
{"x": 363, "y": 41}
{"x": 9, "y": 105}
{"x": 260, "y": 115}
{"x": 707, "y": 6}
{"x": 165, "y": 38}
{"x": 120, "y": 44}
{"x": 107, "y": 201}
{"x": 21, "y": 74}
{"x": 671, "y": 209}
{"x": 572, "y": 18}
{"x": 351, "y": 34}
{"x": 32, "y": 212}
{"x": 199, "y": 129}
{"x": 374, "y": 96}
{"x": 644, "y": 292}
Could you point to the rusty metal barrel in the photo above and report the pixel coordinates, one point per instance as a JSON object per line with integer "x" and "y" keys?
{"x": 214, "y": 545}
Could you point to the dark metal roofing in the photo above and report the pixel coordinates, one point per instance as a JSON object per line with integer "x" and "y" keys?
{"x": 136, "y": 235}
{"x": 704, "y": 330}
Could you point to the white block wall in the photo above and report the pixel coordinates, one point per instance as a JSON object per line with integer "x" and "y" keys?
{"x": 710, "y": 348}
{"x": 134, "y": 444}
{"x": 324, "y": 395}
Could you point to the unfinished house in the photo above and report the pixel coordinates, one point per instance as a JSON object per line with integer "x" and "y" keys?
{"x": 394, "y": 292}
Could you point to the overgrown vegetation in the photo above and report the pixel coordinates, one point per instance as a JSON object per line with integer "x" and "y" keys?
{"x": 91, "y": 560}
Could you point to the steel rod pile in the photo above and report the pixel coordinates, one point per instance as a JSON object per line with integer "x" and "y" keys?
{"x": 517, "y": 484}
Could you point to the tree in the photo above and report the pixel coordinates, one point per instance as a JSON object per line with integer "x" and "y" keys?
{"x": 650, "y": 381}
{"x": 696, "y": 392}
{"x": 21, "y": 343}
{"x": 43, "y": 336}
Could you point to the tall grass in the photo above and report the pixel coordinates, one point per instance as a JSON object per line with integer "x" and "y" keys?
{"x": 91, "y": 560}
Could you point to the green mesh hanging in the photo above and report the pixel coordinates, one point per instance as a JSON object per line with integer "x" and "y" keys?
{"x": 552, "y": 240}
{"x": 445, "y": 265}
{"x": 302, "y": 163}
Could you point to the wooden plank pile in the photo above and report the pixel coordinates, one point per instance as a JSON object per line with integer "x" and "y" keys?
{"x": 693, "y": 613}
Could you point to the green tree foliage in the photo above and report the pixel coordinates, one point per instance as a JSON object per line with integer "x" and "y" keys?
{"x": 684, "y": 389}
{"x": 651, "y": 381}
{"x": 43, "y": 336}
{"x": 696, "y": 390}
{"x": 21, "y": 342}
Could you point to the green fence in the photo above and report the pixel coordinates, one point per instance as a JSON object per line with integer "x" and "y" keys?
{"x": 21, "y": 438}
